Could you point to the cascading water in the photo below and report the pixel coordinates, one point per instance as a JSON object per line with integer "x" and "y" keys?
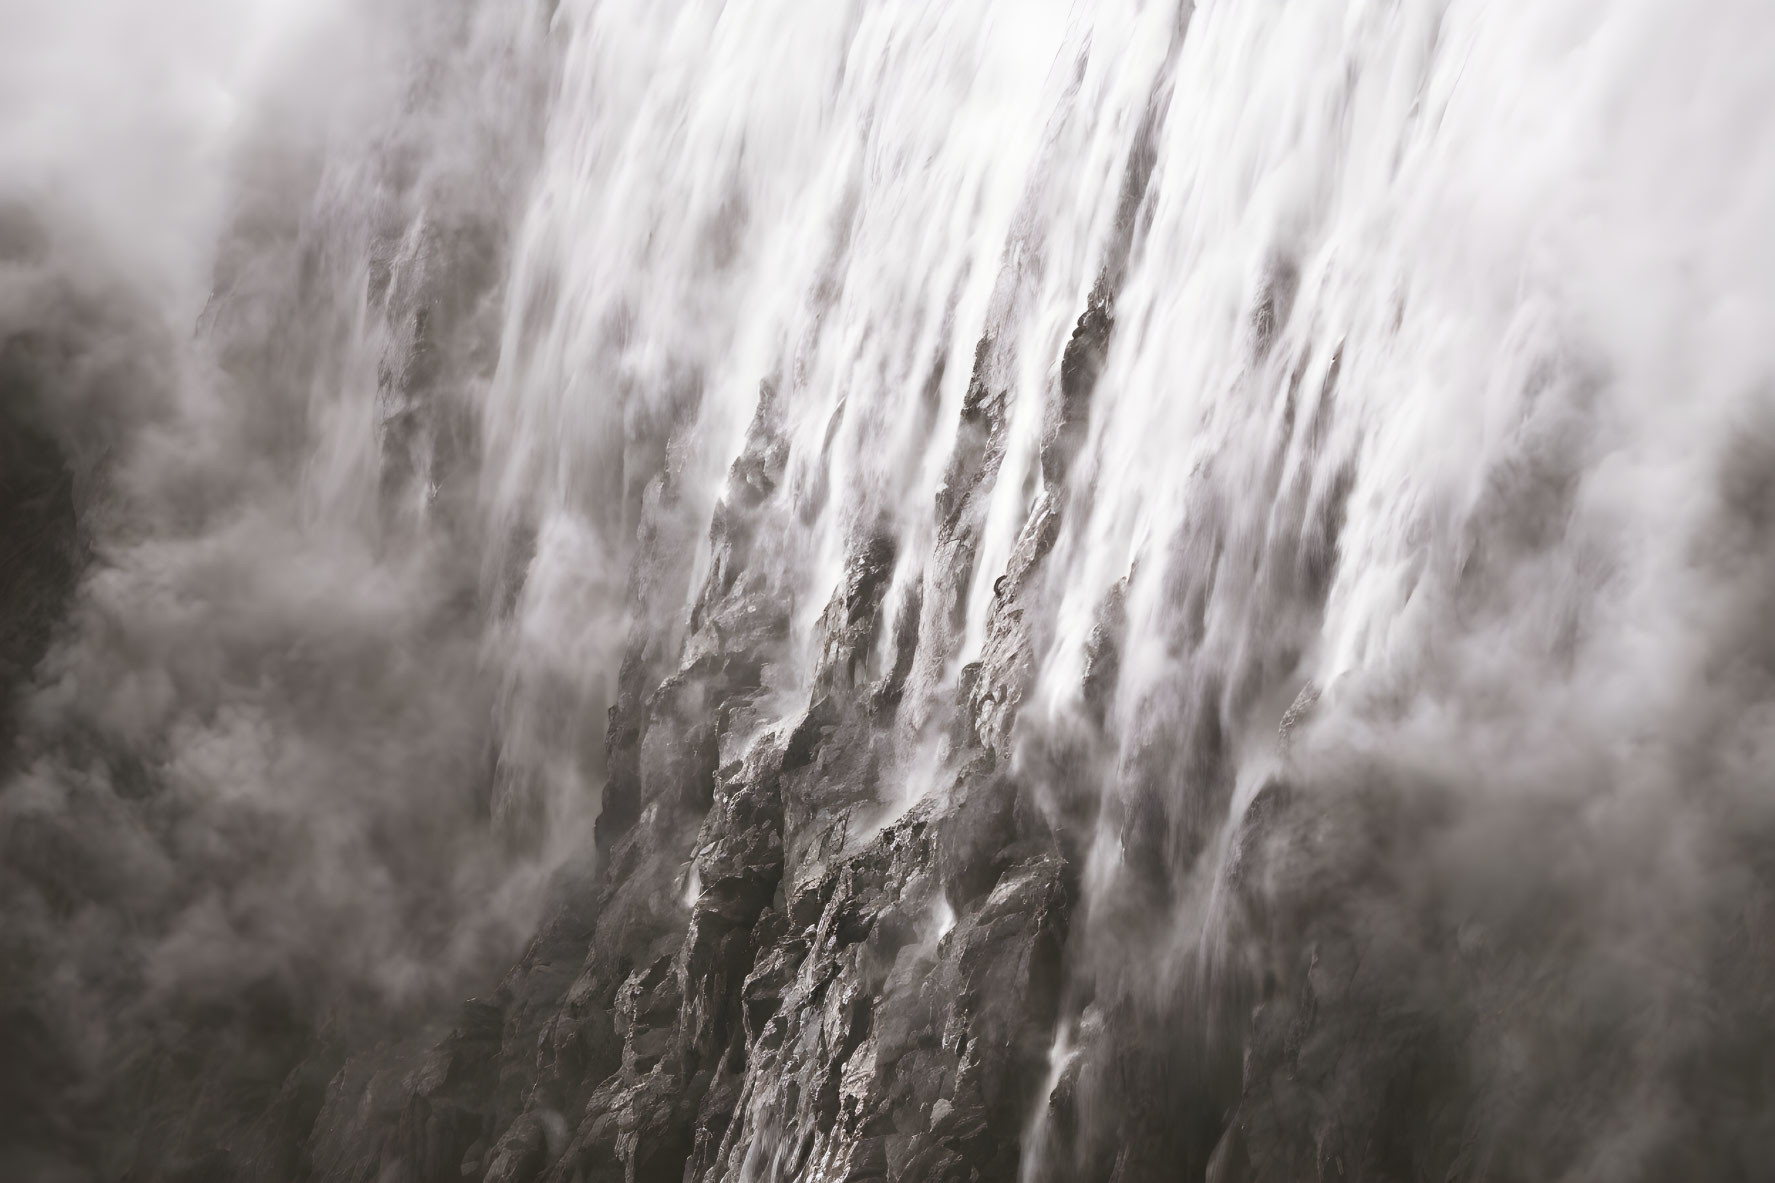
{"x": 987, "y": 590}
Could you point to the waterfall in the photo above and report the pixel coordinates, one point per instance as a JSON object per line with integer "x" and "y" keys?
{"x": 986, "y": 589}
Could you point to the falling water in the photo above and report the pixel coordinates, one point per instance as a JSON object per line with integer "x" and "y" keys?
{"x": 1321, "y": 447}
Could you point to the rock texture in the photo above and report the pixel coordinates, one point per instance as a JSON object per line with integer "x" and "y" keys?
{"x": 829, "y": 931}
{"x": 775, "y": 972}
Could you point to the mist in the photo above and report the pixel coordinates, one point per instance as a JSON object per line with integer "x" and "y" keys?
{"x": 252, "y": 753}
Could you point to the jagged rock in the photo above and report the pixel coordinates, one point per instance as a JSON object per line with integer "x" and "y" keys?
{"x": 1008, "y": 663}
{"x": 769, "y": 988}
{"x": 781, "y": 966}
{"x": 896, "y": 1051}
{"x": 1080, "y": 367}
{"x": 521, "y": 1153}
{"x": 851, "y": 621}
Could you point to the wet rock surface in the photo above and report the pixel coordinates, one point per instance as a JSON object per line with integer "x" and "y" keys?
{"x": 784, "y": 966}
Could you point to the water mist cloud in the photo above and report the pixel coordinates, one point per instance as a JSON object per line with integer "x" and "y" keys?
{"x": 252, "y": 707}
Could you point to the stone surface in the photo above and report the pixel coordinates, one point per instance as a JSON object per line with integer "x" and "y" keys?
{"x": 777, "y": 972}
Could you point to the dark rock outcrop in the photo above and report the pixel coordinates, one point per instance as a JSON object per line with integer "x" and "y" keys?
{"x": 778, "y": 971}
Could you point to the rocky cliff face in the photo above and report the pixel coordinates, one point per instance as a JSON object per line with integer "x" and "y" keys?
{"x": 777, "y": 969}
